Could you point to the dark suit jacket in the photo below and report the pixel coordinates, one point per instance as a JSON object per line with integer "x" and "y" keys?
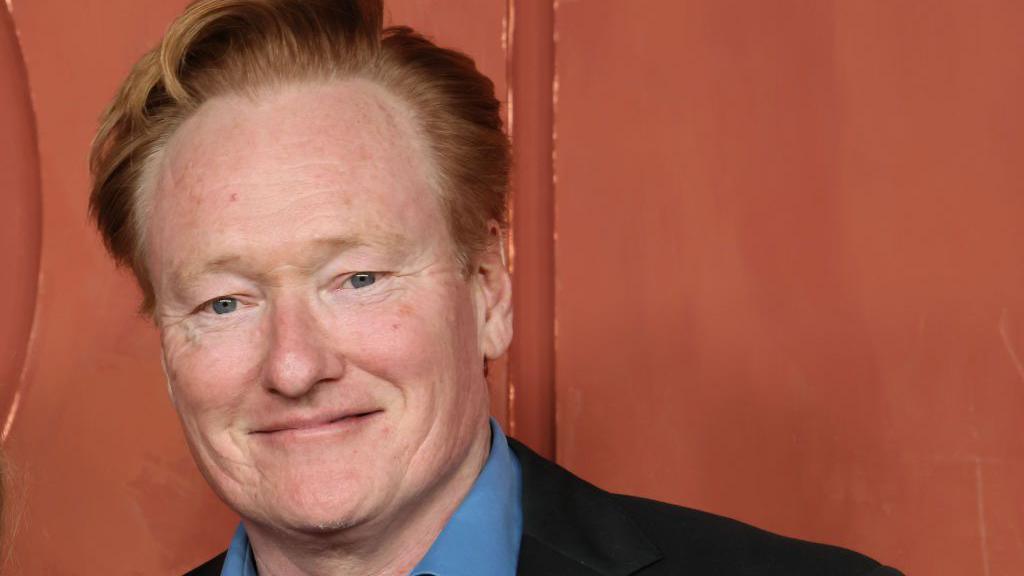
{"x": 571, "y": 528}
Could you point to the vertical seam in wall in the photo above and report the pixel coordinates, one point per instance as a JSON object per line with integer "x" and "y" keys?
{"x": 554, "y": 230}
{"x": 508, "y": 35}
{"x": 529, "y": 63}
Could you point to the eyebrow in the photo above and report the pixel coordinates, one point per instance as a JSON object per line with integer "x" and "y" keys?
{"x": 318, "y": 251}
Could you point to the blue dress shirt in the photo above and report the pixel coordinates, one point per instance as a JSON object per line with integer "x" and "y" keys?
{"x": 481, "y": 537}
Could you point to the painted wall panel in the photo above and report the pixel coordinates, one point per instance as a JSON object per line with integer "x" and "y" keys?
{"x": 789, "y": 281}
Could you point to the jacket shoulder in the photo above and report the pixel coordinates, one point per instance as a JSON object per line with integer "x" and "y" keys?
{"x": 695, "y": 539}
{"x": 211, "y": 567}
{"x": 619, "y": 534}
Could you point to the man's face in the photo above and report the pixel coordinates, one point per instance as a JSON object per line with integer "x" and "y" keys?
{"x": 323, "y": 348}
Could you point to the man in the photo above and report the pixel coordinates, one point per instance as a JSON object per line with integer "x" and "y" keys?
{"x": 314, "y": 209}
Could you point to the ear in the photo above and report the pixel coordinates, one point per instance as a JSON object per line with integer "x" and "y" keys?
{"x": 492, "y": 288}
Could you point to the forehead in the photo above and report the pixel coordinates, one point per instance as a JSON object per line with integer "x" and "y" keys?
{"x": 356, "y": 119}
{"x": 297, "y": 162}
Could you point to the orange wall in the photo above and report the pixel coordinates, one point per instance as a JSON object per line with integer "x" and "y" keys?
{"x": 766, "y": 254}
{"x": 791, "y": 267}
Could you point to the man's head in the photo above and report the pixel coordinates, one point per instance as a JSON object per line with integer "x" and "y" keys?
{"x": 313, "y": 208}
{"x": 250, "y": 47}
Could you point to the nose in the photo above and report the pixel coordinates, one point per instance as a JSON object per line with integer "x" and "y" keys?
{"x": 299, "y": 355}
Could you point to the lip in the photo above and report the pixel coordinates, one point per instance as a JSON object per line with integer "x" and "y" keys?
{"x": 300, "y": 426}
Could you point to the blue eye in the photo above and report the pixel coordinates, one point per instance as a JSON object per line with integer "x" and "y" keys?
{"x": 362, "y": 279}
{"x": 224, "y": 305}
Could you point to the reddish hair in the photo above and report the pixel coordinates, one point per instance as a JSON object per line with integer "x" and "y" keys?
{"x": 220, "y": 47}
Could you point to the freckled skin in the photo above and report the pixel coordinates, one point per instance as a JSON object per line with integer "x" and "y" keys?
{"x": 244, "y": 194}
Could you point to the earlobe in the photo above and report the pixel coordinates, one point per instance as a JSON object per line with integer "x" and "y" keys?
{"x": 498, "y": 336}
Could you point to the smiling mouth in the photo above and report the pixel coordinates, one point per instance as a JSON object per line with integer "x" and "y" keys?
{"x": 315, "y": 427}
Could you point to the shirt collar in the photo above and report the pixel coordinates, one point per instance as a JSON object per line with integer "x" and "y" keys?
{"x": 481, "y": 537}
{"x": 239, "y": 561}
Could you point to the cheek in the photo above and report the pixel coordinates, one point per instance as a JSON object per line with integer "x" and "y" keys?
{"x": 403, "y": 343}
{"x": 419, "y": 342}
{"x": 209, "y": 370}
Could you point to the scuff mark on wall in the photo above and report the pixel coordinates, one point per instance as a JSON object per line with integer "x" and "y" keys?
{"x": 979, "y": 488}
{"x": 1004, "y": 332}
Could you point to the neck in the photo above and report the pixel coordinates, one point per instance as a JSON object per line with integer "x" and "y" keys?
{"x": 383, "y": 547}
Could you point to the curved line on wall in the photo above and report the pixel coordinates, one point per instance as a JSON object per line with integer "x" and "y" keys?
{"x": 21, "y": 232}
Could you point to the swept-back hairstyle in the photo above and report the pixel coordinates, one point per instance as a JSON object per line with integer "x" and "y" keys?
{"x": 220, "y": 47}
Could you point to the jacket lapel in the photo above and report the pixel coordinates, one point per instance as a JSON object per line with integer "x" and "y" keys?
{"x": 537, "y": 558}
{"x": 571, "y": 528}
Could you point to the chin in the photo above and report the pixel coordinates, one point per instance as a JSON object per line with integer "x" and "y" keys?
{"x": 318, "y": 505}
{"x": 321, "y": 524}
{"x": 306, "y": 516}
